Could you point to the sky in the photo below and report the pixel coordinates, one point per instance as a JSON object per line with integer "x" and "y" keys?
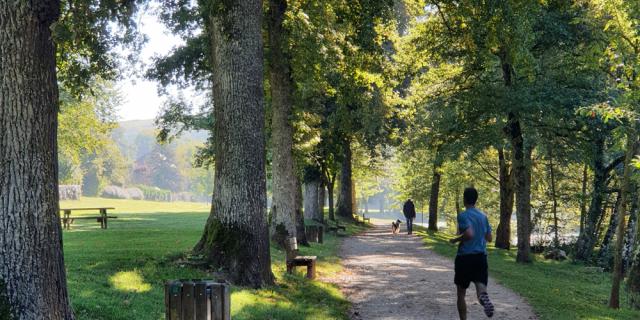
{"x": 141, "y": 98}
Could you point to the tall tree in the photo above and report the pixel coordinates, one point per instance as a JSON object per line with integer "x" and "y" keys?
{"x": 345, "y": 206}
{"x": 236, "y": 236}
{"x": 285, "y": 180}
{"x": 32, "y": 273}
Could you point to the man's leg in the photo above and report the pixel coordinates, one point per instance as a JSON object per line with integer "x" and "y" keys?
{"x": 483, "y": 298}
{"x": 409, "y": 225}
{"x": 462, "y": 304}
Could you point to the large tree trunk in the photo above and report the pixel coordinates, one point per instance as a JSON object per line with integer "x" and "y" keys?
{"x": 285, "y": 181}
{"x": 330, "y": 194}
{"x": 554, "y": 199}
{"x": 633, "y": 279}
{"x": 311, "y": 200}
{"x": 301, "y": 235}
{"x": 434, "y": 195}
{"x": 236, "y": 235}
{"x": 33, "y": 282}
{"x": 321, "y": 199}
{"x": 345, "y": 197}
{"x": 522, "y": 175}
{"x": 605, "y": 257}
{"x": 614, "y": 299}
{"x": 503, "y": 232}
{"x": 583, "y": 199}
{"x": 632, "y": 226}
{"x": 587, "y": 239}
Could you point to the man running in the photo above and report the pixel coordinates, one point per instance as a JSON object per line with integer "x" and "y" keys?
{"x": 471, "y": 265}
{"x": 409, "y": 210}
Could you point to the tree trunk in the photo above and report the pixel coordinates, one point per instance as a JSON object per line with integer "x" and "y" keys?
{"x": 311, "y": 200}
{"x": 301, "y": 235}
{"x": 503, "y": 232}
{"x": 33, "y": 282}
{"x": 345, "y": 198}
{"x": 285, "y": 181}
{"x": 614, "y": 299}
{"x": 583, "y": 200}
{"x": 321, "y": 199}
{"x": 587, "y": 239}
{"x": 522, "y": 175}
{"x": 236, "y": 235}
{"x": 604, "y": 255}
{"x": 633, "y": 279}
{"x": 632, "y": 226}
{"x": 330, "y": 193}
{"x": 434, "y": 195}
{"x": 554, "y": 198}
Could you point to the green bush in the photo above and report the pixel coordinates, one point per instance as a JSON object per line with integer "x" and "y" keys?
{"x": 155, "y": 193}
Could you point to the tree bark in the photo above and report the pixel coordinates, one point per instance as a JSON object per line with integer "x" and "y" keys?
{"x": 583, "y": 200}
{"x": 311, "y": 200}
{"x": 236, "y": 236}
{"x": 522, "y": 175}
{"x": 604, "y": 255}
{"x": 503, "y": 232}
{"x": 301, "y": 235}
{"x": 285, "y": 181}
{"x": 32, "y": 275}
{"x": 632, "y": 226}
{"x": 587, "y": 239}
{"x": 554, "y": 198}
{"x": 614, "y": 299}
{"x": 345, "y": 197}
{"x": 321, "y": 199}
{"x": 633, "y": 279}
{"x": 330, "y": 194}
{"x": 434, "y": 195}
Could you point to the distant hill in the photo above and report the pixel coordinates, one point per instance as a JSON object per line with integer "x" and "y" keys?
{"x": 136, "y": 138}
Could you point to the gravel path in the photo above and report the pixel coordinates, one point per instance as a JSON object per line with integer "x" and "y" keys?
{"x": 390, "y": 276}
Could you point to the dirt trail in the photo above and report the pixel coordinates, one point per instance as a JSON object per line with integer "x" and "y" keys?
{"x": 390, "y": 276}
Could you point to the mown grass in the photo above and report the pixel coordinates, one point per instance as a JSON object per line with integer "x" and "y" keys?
{"x": 556, "y": 290}
{"x": 119, "y": 273}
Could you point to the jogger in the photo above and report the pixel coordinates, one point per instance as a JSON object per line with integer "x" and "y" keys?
{"x": 474, "y": 231}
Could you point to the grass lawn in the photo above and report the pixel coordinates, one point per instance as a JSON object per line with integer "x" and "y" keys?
{"x": 556, "y": 290}
{"x": 119, "y": 273}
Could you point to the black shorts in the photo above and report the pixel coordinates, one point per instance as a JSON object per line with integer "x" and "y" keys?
{"x": 471, "y": 268}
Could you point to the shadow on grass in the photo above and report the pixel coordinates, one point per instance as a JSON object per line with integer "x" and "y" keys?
{"x": 294, "y": 298}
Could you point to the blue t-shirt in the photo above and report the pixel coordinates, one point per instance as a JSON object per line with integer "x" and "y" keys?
{"x": 478, "y": 222}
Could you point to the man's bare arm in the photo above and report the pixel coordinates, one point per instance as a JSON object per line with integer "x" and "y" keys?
{"x": 488, "y": 237}
{"x": 465, "y": 236}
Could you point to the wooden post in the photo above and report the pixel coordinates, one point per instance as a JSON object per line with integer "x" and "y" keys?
{"x": 188, "y": 301}
{"x": 174, "y": 311}
{"x": 103, "y": 214}
{"x": 311, "y": 270}
{"x": 203, "y": 303}
{"x": 67, "y": 219}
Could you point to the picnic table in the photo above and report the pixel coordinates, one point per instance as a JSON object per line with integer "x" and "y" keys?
{"x": 103, "y": 218}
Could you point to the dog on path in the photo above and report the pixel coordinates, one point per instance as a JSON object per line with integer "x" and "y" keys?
{"x": 395, "y": 226}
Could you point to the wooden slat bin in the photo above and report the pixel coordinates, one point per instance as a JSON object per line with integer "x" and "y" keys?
{"x": 197, "y": 300}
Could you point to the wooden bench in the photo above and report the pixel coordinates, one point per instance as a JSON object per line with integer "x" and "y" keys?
{"x": 103, "y": 218}
{"x": 303, "y": 261}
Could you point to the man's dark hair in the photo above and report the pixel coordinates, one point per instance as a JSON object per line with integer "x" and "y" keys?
{"x": 470, "y": 196}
